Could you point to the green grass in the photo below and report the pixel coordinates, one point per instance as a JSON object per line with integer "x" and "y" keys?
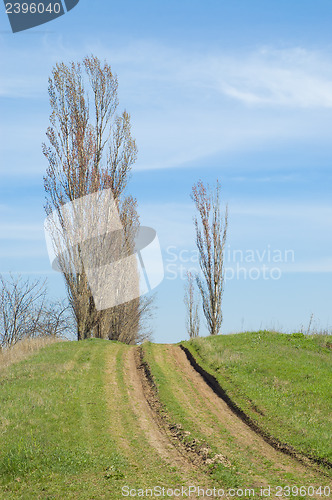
{"x": 281, "y": 381}
{"x": 69, "y": 429}
{"x": 51, "y": 439}
{"x": 249, "y": 464}
{"x": 59, "y": 427}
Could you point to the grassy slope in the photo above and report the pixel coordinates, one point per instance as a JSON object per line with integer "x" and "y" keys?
{"x": 59, "y": 427}
{"x": 281, "y": 381}
{"x": 68, "y": 430}
{"x": 186, "y": 407}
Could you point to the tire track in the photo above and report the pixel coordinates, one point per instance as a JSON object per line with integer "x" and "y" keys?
{"x": 208, "y": 411}
{"x": 212, "y": 382}
{"x": 142, "y": 403}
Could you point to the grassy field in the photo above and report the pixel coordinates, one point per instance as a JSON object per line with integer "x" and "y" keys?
{"x": 283, "y": 382}
{"x": 74, "y": 422}
{"x": 67, "y": 429}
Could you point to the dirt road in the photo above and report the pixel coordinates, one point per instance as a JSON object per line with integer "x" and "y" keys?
{"x": 220, "y": 437}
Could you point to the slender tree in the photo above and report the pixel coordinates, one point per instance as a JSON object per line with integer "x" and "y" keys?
{"x": 90, "y": 149}
{"x": 211, "y": 231}
{"x": 192, "y": 321}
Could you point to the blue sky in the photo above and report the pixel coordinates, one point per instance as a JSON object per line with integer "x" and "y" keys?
{"x": 236, "y": 90}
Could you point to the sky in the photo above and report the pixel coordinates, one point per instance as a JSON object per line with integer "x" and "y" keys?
{"x": 235, "y": 90}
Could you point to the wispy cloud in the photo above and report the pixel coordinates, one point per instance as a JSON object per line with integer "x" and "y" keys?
{"x": 293, "y": 77}
{"x": 186, "y": 105}
{"x": 202, "y": 104}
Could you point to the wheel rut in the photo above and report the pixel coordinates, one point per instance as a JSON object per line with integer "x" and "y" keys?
{"x": 144, "y": 404}
{"x": 213, "y": 416}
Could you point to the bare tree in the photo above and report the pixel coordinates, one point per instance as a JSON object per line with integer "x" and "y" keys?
{"x": 211, "y": 230}
{"x": 25, "y": 312}
{"x": 192, "y": 321}
{"x": 21, "y": 306}
{"x": 90, "y": 150}
{"x": 56, "y": 320}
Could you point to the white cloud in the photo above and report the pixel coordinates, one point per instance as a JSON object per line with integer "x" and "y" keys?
{"x": 189, "y": 105}
{"x": 186, "y": 105}
{"x": 295, "y": 76}
{"x": 290, "y": 77}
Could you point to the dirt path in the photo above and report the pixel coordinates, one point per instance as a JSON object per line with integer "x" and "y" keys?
{"x": 143, "y": 428}
{"x": 136, "y": 430}
{"x": 147, "y": 418}
{"x": 261, "y": 464}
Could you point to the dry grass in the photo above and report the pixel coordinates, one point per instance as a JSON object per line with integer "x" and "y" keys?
{"x": 24, "y": 349}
